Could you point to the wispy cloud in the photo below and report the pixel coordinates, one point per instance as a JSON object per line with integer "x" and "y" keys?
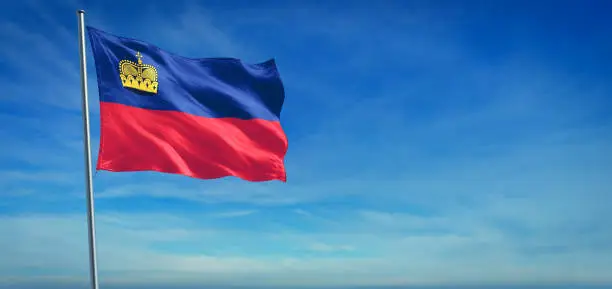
{"x": 130, "y": 252}
{"x": 207, "y": 38}
{"x": 235, "y": 214}
{"x": 322, "y": 247}
{"x": 35, "y": 58}
{"x": 302, "y": 212}
{"x": 39, "y": 176}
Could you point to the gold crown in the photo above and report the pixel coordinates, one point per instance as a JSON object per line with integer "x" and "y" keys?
{"x": 138, "y": 75}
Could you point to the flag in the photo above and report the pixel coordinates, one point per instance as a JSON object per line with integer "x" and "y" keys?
{"x": 204, "y": 118}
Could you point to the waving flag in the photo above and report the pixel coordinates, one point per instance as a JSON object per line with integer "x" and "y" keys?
{"x": 204, "y": 118}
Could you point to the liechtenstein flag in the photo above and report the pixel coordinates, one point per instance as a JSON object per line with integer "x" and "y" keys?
{"x": 204, "y": 118}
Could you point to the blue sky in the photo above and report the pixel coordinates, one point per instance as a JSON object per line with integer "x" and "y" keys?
{"x": 430, "y": 142}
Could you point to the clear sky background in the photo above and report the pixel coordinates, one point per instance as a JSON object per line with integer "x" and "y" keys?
{"x": 430, "y": 142}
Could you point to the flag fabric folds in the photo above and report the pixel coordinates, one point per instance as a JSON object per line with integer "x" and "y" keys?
{"x": 204, "y": 118}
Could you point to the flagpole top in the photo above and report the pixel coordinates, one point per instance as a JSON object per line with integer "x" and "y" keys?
{"x": 81, "y": 11}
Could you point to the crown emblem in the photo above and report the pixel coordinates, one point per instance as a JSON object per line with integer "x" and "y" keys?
{"x": 138, "y": 76}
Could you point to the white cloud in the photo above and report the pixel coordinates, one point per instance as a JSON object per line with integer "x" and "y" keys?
{"x": 38, "y": 176}
{"x": 323, "y": 247}
{"x": 302, "y": 212}
{"x": 128, "y": 247}
{"x": 204, "y": 33}
{"x": 35, "y": 56}
{"x": 235, "y": 214}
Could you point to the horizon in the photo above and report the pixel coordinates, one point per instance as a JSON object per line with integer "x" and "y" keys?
{"x": 81, "y": 285}
{"x": 430, "y": 142}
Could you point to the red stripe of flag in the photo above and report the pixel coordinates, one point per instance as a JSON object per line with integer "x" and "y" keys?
{"x": 136, "y": 139}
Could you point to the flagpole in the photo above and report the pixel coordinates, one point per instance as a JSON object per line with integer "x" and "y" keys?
{"x": 93, "y": 267}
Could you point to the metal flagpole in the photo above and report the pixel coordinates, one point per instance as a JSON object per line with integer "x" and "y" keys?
{"x": 93, "y": 267}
